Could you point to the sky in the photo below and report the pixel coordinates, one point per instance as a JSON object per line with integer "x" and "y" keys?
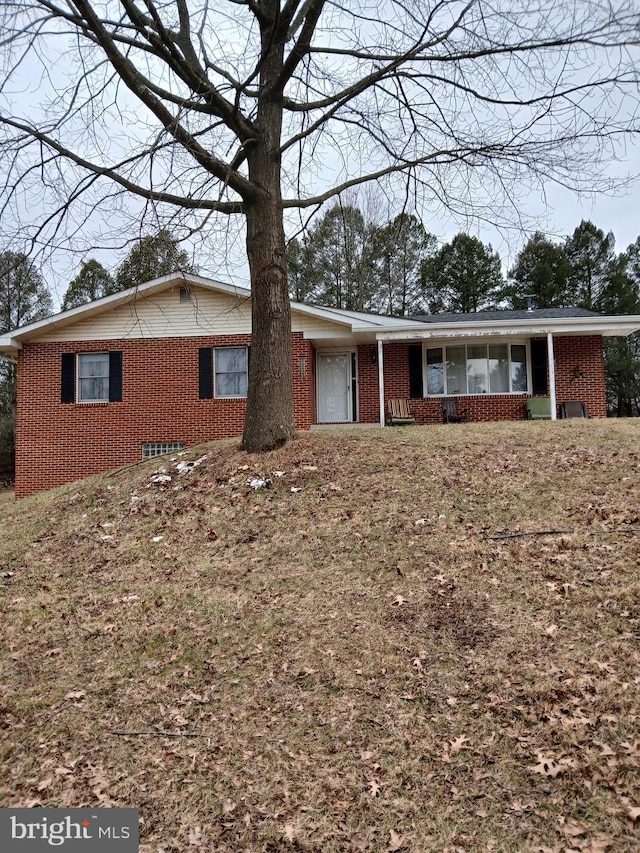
{"x": 557, "y": 215}
{"x": 223, "y": 255}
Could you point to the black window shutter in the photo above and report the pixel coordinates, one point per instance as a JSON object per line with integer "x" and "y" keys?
{"x": 415, "y": 371}
{"x": 68, "y": 378}
{"x": 539, "y": 366}
{"x": 205, "y": 373}
{"x": 115, "y": 377}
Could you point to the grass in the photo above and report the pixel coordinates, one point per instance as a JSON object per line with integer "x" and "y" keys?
{"x": 379, "y": 650}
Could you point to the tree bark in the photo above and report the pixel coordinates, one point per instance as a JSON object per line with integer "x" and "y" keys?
{"x": 269, "y": 421}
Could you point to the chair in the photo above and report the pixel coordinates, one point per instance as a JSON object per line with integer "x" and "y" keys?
{"x": 399, "y": 413}
{"x": 573, "y": 409}
{"x": 539, "y": 409}
{"x": 452, "y": 413}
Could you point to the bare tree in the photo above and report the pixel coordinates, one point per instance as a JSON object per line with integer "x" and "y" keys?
{"x": 255, "y": 107}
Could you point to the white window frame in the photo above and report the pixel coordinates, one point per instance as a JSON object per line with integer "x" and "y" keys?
{"x": 218, "y": 396}
{"x": 79, "y": 378}
{"x": 475, "y": 342}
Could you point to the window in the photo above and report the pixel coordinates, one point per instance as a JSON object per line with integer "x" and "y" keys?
{"x": 477, "y": 369}
{"x": 231, "y": 371}
{"x": 435, "y": 372}
{"x": 93, "y": 377}
{"x": 157, "y": 448}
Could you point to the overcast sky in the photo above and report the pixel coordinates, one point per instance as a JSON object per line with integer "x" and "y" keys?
{"x": 223, "y": 255}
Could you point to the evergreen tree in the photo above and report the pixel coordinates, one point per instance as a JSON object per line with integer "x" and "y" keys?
{"x": 152, "y": 257}
{"x": 301, "y": 273}
{"x": 463, "y": 276}
{"x": 401, "y": 248}
{"x": 335, "y": 265}
{"x": 92, "y": 282}
{"x": 541, "y": 272}
{"x": 24, "y": 298}
{"x": 590, "y": 254}
{"x": 620, "y": 294}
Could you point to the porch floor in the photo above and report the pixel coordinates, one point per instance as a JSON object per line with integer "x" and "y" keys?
{"x": 350, "y": 425}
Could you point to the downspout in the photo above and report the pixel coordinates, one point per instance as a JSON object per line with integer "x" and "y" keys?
{"x": 381, "y": 382}
{"x": 552, "y": 375}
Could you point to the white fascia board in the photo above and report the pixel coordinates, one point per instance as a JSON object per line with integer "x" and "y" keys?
{"x": 362, "y": 322}
{"x": 9, "y": 346}
{"x": 606, "y": 326}
{"x": 322, "y": 313}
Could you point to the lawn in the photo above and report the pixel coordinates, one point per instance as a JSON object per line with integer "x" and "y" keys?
{"x": 417, "y": 639}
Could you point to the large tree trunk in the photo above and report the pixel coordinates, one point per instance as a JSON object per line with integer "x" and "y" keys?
{"x": 269, "y": 421}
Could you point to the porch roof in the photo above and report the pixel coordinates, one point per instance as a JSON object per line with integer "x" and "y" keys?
{"x": 574, "y": 321}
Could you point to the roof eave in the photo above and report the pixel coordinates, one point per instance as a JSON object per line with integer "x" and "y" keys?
{"x": 9, "y": 345}
{"x": 601, "y": 325}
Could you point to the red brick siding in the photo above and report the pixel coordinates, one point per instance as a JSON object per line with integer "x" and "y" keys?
{"x": 580, "y": 372}
{"x": 579, "y": 376}
{"x": 368, "y": 389}
{"x": 61, "y": 442}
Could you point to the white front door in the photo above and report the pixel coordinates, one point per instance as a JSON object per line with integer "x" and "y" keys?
{"x": 334, "y": 387}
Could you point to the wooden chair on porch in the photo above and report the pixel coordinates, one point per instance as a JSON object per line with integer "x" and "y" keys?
{"x": 399, "y": 413}
{"x": 452, "y": 413}
{"x": 573, "y": 409}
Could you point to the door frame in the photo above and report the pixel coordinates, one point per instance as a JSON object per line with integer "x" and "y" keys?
{"x": 352, "y": 396}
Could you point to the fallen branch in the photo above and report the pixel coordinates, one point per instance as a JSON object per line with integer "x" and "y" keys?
{"x": 159, "y": 734}
{"x": 531, "y": 533}
{"x": 629, "y": 530}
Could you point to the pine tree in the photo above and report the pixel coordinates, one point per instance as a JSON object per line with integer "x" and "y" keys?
{"x": 541, "y": 272}
{"x": 92, "y": 282}
{"x": 401, "y": 249}
{"x": 152, "y": 257}
{"x": 463, "y": 276}
{"x": 590, "y": 253}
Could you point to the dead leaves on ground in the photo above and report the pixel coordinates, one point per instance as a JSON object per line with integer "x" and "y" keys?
{"x": 340, "y": 672}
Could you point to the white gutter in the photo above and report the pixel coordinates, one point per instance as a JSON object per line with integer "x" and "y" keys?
{"x": 552, "y": 376}
{"x": 607, "y": 326}
{"x": 381, "y": 381}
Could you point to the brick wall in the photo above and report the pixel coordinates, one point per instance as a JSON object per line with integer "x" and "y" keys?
{"x": 60, "y": 442}
{"x": 579, "y": 376}
{"x": 368, "y": 389}
{"x": 580, "y": 372}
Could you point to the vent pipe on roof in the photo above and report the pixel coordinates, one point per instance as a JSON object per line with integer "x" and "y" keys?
{"x": 529, "y": 297}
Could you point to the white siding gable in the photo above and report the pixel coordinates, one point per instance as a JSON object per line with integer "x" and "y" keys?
{"x": 163, "y": 315}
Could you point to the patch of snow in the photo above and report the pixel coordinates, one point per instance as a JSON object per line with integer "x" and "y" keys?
{"x": 259, "y": 483}
{"x": 157, "y": 538}
{"x": 188, "y": 465}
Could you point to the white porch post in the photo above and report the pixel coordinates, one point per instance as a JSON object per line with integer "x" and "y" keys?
{"x": 381, "y": 382}
{"x": 552, "y": 375}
